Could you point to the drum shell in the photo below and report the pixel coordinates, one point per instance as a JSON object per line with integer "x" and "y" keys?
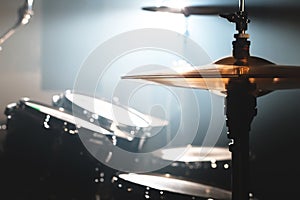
{"x": 27, "y": 139}
{"x": 48, "y": 157}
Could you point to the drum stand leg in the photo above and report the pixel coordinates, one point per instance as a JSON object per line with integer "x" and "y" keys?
{"x": 240, "y": 111}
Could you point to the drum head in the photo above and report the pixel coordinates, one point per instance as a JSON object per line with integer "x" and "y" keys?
{"x": 121, "y": 115}
{"x": 194, "y": 154}
{"x": 176, "y": 185}
{"x": 43, "y": 150}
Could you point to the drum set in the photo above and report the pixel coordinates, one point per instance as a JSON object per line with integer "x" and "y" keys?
{"x": 47, "y": 158}
{"x": 47, "y": 140}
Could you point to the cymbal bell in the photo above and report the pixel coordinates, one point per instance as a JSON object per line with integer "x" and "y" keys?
{"x": 266, "y": 75}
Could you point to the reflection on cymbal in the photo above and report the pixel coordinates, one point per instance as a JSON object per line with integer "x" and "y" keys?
{"x": 267, "y": 77}
{"x": 194, "y": 154}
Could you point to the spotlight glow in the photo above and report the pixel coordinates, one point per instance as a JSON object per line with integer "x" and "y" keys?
{"x": 173, "y": 3}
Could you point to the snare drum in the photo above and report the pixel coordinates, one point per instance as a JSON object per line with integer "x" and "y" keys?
{"x": 45, "y": 157}
{"x": 124, "y": 122}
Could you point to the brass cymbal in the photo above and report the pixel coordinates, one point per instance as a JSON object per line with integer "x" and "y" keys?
{"x": 266, "y": 75}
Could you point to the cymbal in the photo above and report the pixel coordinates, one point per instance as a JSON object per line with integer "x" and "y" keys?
{"x": 281, "y": 12}
{"x": 193, "y": 10}
{"x": 166, "y": 182}
{"x": 194, "y": 154}
{"x": 266, "y": 75}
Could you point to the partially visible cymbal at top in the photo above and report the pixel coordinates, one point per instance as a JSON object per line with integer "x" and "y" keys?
{"x": 281, "y": 12}
{"x": 215, "y": 77}
{"x": 194, "y": 10}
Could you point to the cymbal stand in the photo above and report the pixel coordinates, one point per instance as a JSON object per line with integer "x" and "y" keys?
{"x": 25, "y": 13}
{"x": 240, "y": 108}
{"x": 240, "y": 111}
